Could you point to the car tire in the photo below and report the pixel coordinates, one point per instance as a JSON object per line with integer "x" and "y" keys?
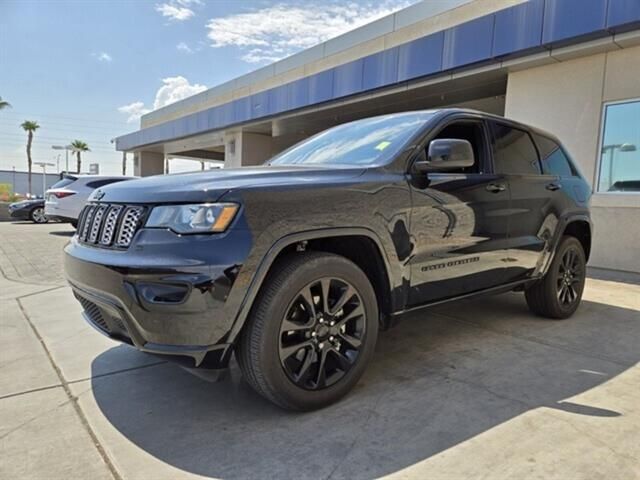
{"x": 283, "y": 317}
{"x": 37, "y": 215}
{"x": 557, "y": 295}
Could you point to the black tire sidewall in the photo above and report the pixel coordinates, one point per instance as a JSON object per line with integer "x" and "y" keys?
{"x": 308, "y": 272}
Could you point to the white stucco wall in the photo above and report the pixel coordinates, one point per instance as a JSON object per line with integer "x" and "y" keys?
{"x": 567, "y": 99}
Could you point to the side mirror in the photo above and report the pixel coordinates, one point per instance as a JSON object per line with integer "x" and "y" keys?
{"x": 445, "y": 154}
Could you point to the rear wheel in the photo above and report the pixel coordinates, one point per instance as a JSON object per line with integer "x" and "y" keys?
{"x": 311, "y": 332}
{"x": 558, "y": 294}
{"x": 37, "y": 215}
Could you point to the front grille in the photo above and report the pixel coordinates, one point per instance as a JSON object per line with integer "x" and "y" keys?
{"x": 111, "y": 226}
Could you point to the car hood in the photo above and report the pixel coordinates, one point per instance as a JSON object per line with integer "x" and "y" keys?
{"x": 210, "y": 185}
{"x": 25, "y": 203}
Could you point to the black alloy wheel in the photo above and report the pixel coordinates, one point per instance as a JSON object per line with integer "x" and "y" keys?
{"x": 557, "y": 295}
{"x": 321, "y": 333}
{"x": 570, "y": 275}
{"x": 311, "y": 332}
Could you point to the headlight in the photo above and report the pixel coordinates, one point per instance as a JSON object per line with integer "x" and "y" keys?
{"x": 200, "y": 218}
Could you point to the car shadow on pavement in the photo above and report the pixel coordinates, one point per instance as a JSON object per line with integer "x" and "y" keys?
{"x": 439, "y": 378}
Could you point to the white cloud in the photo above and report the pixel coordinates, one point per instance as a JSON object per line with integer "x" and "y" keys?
{"x": 172, "y": 90}
{"x": 177, "y": 10}
{"x": 103, "y": 57}
{"x": 275, "y": 32}
{"x": 183, "y": 47}
{"x": 135, "y": 110}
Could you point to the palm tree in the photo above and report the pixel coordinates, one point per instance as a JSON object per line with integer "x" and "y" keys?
{"x": 79, "y": 146}
{"x": 29, "y": 127}
{"x": 4, "y": 104}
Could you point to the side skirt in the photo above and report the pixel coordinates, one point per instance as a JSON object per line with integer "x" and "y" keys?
{"x": 519, "y": 285}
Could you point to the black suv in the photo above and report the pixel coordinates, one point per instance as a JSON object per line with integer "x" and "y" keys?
{"x": 295, "y": 265}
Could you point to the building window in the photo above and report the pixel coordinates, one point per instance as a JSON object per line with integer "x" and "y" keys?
{"x": 620, "y": 151}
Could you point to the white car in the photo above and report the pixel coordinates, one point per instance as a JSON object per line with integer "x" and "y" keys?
{"x": 65, "y": 199}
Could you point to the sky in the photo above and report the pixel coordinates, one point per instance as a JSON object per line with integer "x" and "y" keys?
{"x": 87, "y": 69}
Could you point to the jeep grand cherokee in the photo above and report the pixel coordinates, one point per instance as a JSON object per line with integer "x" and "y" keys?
{"x": 296, "y": 265}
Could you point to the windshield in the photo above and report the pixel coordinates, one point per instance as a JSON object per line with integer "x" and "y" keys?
{"x": 371, "y": 141}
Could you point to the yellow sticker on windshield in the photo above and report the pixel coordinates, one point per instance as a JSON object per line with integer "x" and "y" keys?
{"x": 382, "y": 145}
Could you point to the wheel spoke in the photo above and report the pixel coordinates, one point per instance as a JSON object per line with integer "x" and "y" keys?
{"x": 356, "y": 312}
{"x": 343, "y": 361}
{"x": 325, "y": 285}
{"x": 346, "y": 296}
{"x": 572, "y": 293}
{"x": 286, "y": 352}
{"x": 351, "y": 340}
{"x": 291, "y": 326}
{"x": 304, "y": 368}
{"x": 321, "y": 376}
{"x": 307, "y": 297}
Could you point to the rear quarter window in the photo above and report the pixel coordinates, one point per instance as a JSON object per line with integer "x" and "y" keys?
{"x": 553, "y": 159}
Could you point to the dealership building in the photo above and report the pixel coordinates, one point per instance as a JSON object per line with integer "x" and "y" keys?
{"x": 571, "y": 67}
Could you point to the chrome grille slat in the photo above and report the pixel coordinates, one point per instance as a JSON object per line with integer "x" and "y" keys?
{"x": 109, "y": 228}
{"x": 81, "y": 219}
{"x": 109, "y": 225}
{"x": 128, "y": 226}
{"x": 96, "y": 223}
{"x": 87, "y": 221}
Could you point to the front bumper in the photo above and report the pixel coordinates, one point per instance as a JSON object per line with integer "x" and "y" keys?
{"x": 180, "y": 312}
{"x": 20, "y": 213}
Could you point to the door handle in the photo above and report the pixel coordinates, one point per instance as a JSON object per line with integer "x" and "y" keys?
{"x": 553, "y": 186}
{"x": 496, "y": 187}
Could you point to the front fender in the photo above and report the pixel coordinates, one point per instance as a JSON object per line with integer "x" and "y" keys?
{"x": 278, "y": 246}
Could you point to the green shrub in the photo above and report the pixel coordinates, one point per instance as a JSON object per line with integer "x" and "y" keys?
{"x": 6, "y": 192}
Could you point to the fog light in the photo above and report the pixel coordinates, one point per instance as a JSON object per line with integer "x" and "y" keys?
{"x": 163, "y": 293}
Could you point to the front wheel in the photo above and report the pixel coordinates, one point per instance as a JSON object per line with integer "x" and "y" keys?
{"x": 37, "y": 215}
{"x": 311, "y": 332}
{"x": 557, "y": 295}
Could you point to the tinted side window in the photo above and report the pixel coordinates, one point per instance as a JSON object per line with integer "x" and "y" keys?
{"x": 102, "y": 183}
{"x": 513, "y": 151}
{"x": 554, "y": 161}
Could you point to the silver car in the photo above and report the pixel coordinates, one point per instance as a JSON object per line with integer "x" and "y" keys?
{"x": 65, "y": 199}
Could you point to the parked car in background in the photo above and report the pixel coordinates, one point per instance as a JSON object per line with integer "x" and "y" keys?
{"x": 65, "y": 199}
{"x": 32, "y": 209}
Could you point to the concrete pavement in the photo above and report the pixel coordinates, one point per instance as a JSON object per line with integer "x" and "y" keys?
{"x": 474, "y": 389}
